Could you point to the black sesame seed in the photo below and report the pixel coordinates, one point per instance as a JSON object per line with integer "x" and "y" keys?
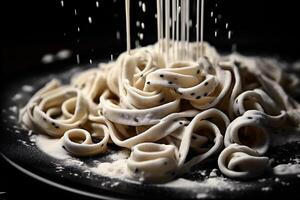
{"x": 44, "y": 119}
{"x": 136, "y": 120}
{"x": 136, "y": 170}
{"x": 192, "y": 94}
{"x": 236, "y": 101}
{"x": 186, "y": 124}
{"x": 206, "y": 83}
{"x": 53, "y": 124}
{"x": 194, "y": 137}
{"x": 198, "y": 71}
{"x": 170, "y": 82}
{"x": 57, "y": 127}
{"x": 162, "y": 100}
{"x": 142, "y": 75}
{"x": 102, "y": 145}
{"x": 205, "y": 94}
{"x": 83, "y": 85}
{"x": 198, "y": 97}
{"x": 181, "y": 123}
{"x": 64, "y": 147}
{"x": 161, "y": 75}
{"x": 165, "y": 163}
{"x": 173, "y": 173}
{"x": 148, "y": 82}
{"x": 249, "y": 117}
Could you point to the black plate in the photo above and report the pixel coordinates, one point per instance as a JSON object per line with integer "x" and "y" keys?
{"x": 22, "y": 153}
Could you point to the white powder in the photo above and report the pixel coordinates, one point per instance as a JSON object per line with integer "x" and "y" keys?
{"x": 52, "y": 147}
{"x": 287, "y": 169}
{"x": 13, "y": 109}
{"x": 214, "y": 182}
{"x": 116, "y": 169}
{"x": 123, "y": 154}
{"x": 17, "y": 97}
{"x": 27, "y": 88}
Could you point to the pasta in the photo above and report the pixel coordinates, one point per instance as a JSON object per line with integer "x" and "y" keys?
{"x": 171, "y": 113}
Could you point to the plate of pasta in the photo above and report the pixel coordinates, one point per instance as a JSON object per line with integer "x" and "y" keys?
{"x": 144, "y": 126}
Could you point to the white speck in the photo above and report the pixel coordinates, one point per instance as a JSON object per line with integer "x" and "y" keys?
{"x": 111, "y": 57}
{"x": 118, "y": 35}
{"x": 201, "y": 196}
{"x": 63, "y": 54}
{"x": 17, "y": 97}
{"x": 78, "y": 29}
{"x": 140, "y": 3}
{"x": 141, "y": 36}
{"x": 137, "y": 43}
{"x": 78, "y": 59}
{"x": 262, "y": 180}
{"x": 47, "y": 58}
{"x": 265, "y": 189}
{"x": 277, "y": 179}
{"x": 17, "y": 131}
{"x": 97, "y": 4}
{"x": 229, "y": 34}
{"x": 142, "y": 25}
{"x": 144, "y": 7}
{"x": 75, "y": 174}
{"x": 216, "y": 33}
{"x": 137, "y": 23}
{"x": 27, "y": 88}
{"x": 13, "y": 109}
{"x": 216, "y": 20}
{"x": 226, "y": 25}
{"x": 75, "y": 12}
{"x": 211, "y": 13}
{"x": 115, "y": 184}
{"x": 90, "y": 19}
{"x": 219, "y": 16}
{"x": 62, "y": 3}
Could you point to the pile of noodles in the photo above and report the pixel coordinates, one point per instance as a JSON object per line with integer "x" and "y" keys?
{"x": 171, "y": 115}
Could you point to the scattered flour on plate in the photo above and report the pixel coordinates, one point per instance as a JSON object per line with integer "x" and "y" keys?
{"x": 52, "y": 147}
{"x": 115, "y": 169}
{"x": 122, "y": 154}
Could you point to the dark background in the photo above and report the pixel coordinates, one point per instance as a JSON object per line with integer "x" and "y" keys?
{"x": 30, "y": 29}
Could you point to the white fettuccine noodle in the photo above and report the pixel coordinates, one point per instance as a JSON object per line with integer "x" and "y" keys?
{"x": 172, "y": 114}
